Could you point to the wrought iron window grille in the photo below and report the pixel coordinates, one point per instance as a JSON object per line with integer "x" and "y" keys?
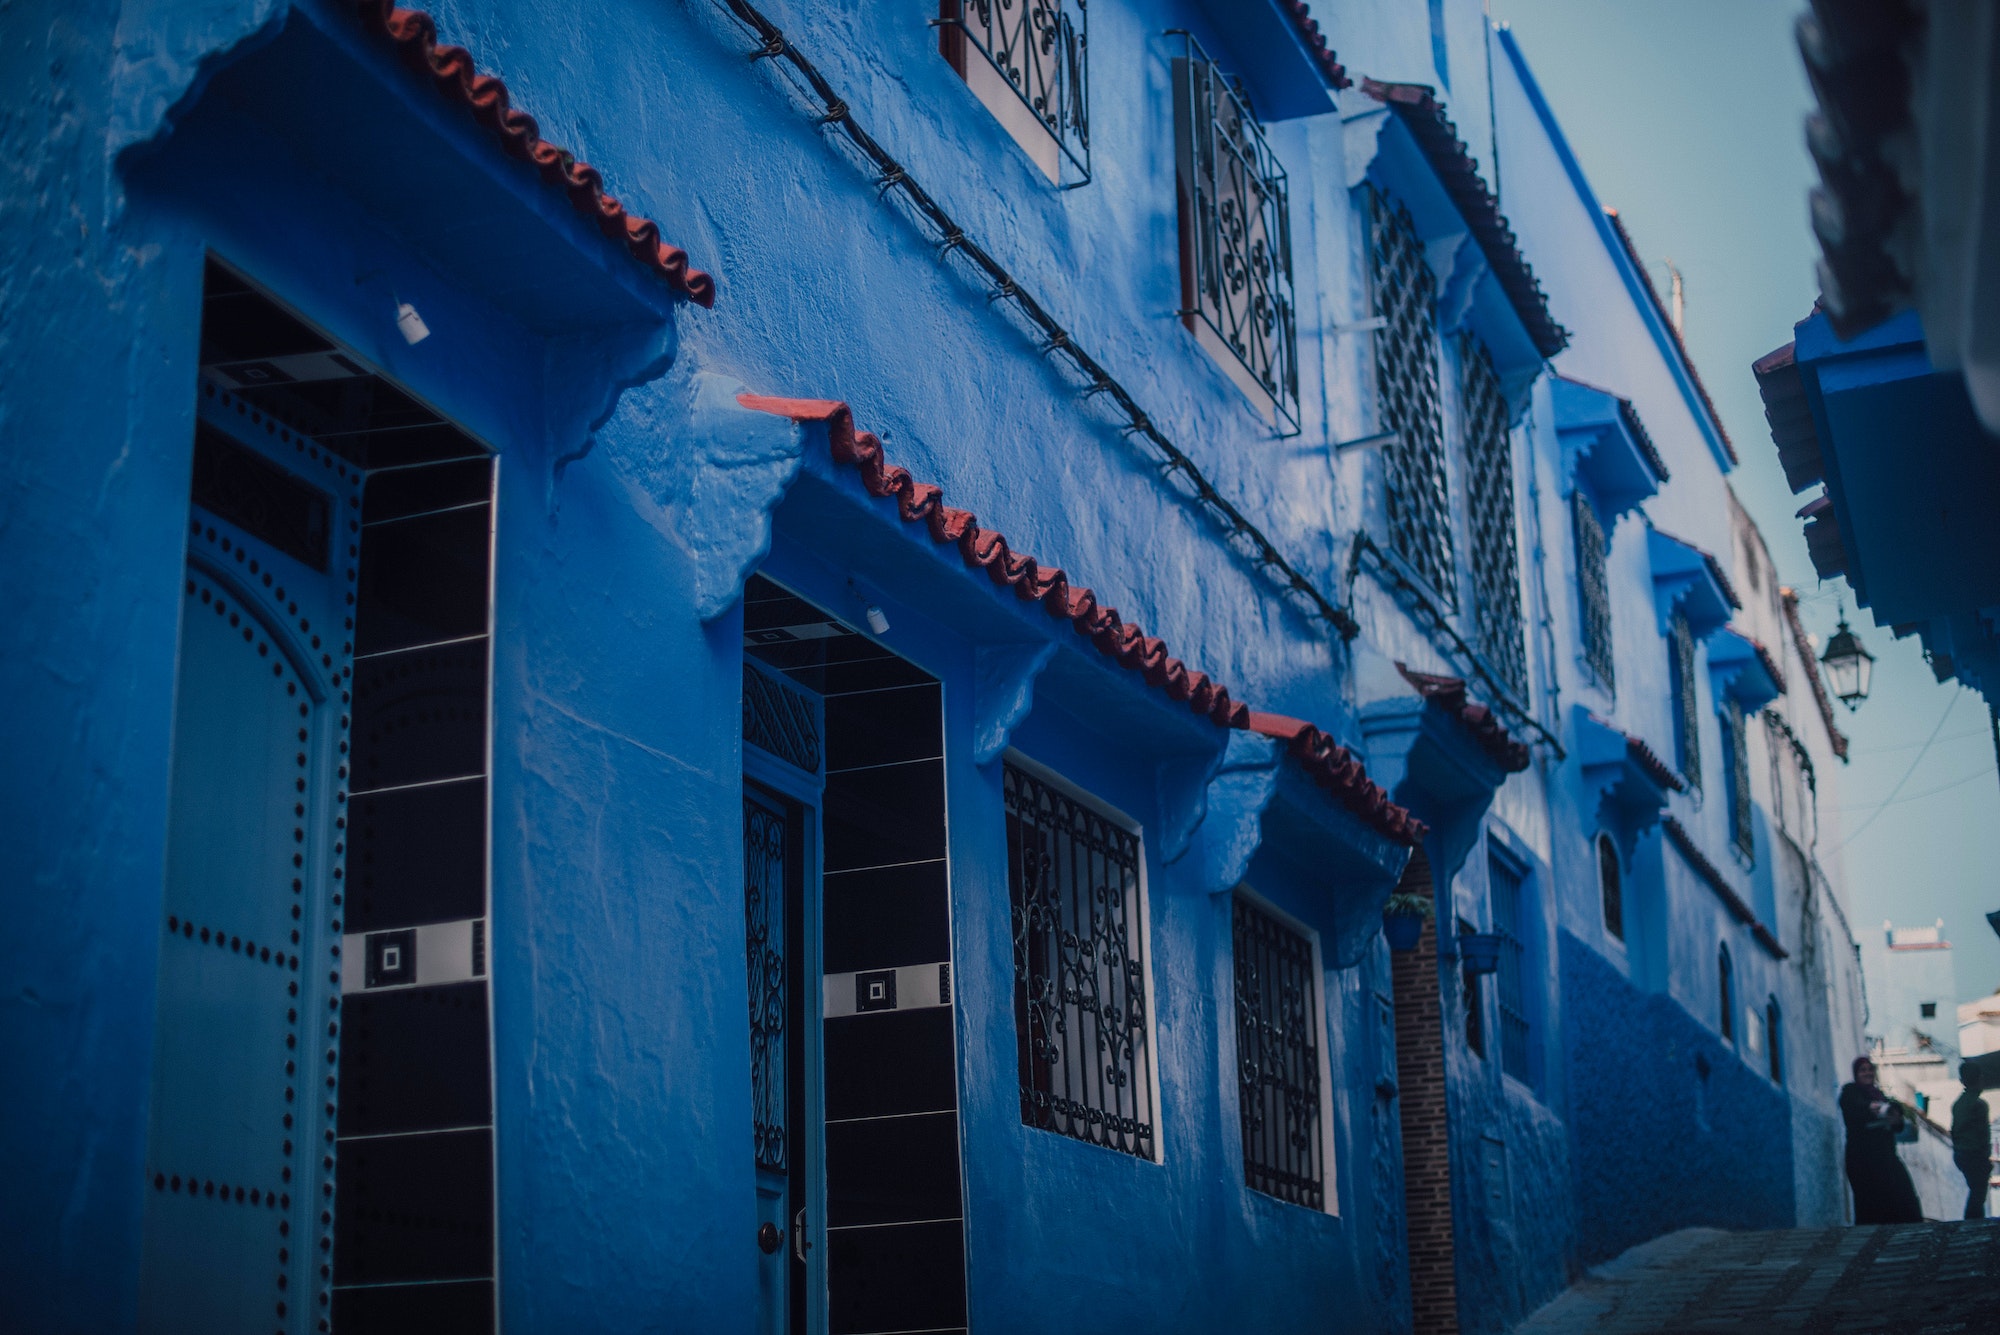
{"x": 1406, "y": 381}
{"x": 1687, "y": 722}
{"x": 1235, "y": 237}
{"x": 1080, "y": 1003}
{"x": 765, "y": 845}
{"x": 1736, "y": 735}
{"x": 1278, "y": 1056}
{"x": 1040, "y": 50}
{"x": 1507, "y": 887}
{"x": 1496, "y": 561}
{"x": 780, "y": 718}
{"x": 1593, "y": 587}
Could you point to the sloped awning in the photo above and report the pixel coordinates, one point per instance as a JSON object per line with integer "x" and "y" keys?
{"x": 1606, "y": 447}
{"x": 1621, "y": 771}
{"x": 1743, "y": 670}
{"x": 1690, "y": 580}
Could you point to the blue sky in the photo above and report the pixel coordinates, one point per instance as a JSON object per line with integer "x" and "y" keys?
{"x": 1688, "y": 117}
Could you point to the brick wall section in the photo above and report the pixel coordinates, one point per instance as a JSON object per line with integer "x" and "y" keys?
{"x": 1426, "y": 1127}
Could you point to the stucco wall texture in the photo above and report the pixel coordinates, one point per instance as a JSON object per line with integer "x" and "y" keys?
{"x": 635, "y": 496}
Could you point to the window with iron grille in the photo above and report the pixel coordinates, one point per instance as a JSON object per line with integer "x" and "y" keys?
{"x": 1737, "y": 778}
{"x": 1235, "y": 238}
{"x": 1593, "y": 589}
{"x": 1611, "y": 885}
{"x": 1026, "y": 60}
{"x": 1496, "y": 563}
{"x": 1687, "y": 730}
{"x": 1079, "y": 967}
{"x": 1726, "y": 992}
{"x": 1277, "y": 1057}
{"x": 1475, "y": 1000}
{"x": 1406, "y": 379}
{"x": 1507, "y": 887}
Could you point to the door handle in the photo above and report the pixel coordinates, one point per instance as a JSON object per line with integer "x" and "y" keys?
{"x": 769, "y": 1237}
{"x": 799, "y": 1244}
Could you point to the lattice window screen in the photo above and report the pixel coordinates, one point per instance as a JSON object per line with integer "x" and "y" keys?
{"x": 1593, "y": 589}
{"x": 1687, "y": 729}
{"x": 1406, "y": 377}
{"x": 1496, "y": 564}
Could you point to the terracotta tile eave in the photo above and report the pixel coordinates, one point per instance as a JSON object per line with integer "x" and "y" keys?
{"x": 1712, "y": 877}
{"x": 1307, "y": 28}
{"x": 1417, "y": 106}
{"x": 1331, "y": 765}
{"x": 1449, "y": 694}
{"x": 451, "y": 71}
{"x": 1789, "y": 600}
{"x": 1694, "y": 375}
{"x": 1656, "y": 769}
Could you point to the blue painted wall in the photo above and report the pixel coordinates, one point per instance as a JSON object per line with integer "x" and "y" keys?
{"x": 635, "y": 495}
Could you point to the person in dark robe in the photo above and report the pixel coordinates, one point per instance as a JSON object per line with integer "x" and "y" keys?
{"x": 1972, "y": 1140}
{"x": 1883, "y": 1192}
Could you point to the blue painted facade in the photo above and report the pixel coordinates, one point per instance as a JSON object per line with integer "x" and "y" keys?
{"x": 636, "y": 495}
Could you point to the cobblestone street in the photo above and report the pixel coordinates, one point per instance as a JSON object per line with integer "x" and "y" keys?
{"x": 1900, "y": 1279}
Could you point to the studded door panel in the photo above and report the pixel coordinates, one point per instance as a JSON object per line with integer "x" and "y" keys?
{"x": 244, "y": 1065}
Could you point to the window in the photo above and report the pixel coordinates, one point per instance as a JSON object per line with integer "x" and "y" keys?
{"x": 1610, "y": 885}
{"x": 1080, "y": 1004}
{"x": 1278, "y": 1030}
{"x": 1507, "y": 885}
{"x": 1475, "y": 1002}
{"x": 1027, "y": 63}
{"x": 1736, "y": 779}
{"x": 1680, "y": 672}
{"x": 1235, "y": 239}
{"x": 1406, "y": 378}
{"x": 1771, "y": 1032}
{"x": 1593, "y": 588}
{"x": 1929, "y": 1010}
{"x": 1496, "y": 565}
{"x": 1726, "y": 994}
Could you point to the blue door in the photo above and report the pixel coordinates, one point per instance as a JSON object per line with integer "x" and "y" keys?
{"x": 239, "y": 1136}
{"x": 781, "y": 790}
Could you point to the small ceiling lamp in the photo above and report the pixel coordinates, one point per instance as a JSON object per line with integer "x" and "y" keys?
{"x": 1848, "y": 665}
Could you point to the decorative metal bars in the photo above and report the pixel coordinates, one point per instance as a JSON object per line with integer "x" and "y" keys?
{"x": 1079, "y": 968}
{"x": 1687, "y": 723}
{"x": 1506, "y": 885}
{"x": 765, "y": 844}
{"x": 1040, "y": 49}
{"x": 1406, "y": 379}
{"x": 1593, "y": 589}
{"x": 1736, "y": 735}
{"x": 1236, "y": 237}
{"x": 1277, "y": 1058}
{"x": 1496, "y": 562}
{"x": 1610, "y": 884}
{"x": 781, "y": 719}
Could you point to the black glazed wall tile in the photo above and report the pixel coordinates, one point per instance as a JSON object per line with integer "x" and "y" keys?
{"x": 422, "y": 580}
{"x": 417, "y": 855}
{"x": 414, "y": 1059}
{"x": 420, "y": 715}
{"x": 883, "y": 727}
{"x": 888, "y": 1170}
{"x": 463, "y": 1307}
{"x": 885, "y": 917}
{"x": 414, "y": 1207}
{"x": 878, "y": 817}
{"x": 908, "y": 1277}
{"x": 892, "y": 1062}
{"x": 409, "y": 491}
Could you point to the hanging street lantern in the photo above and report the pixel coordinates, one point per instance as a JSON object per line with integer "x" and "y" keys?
{"x": 1848, "y": 665}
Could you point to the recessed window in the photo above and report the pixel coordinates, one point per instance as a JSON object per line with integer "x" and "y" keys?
{"x": 1610, "y": 884}
{"x": 1028, "y": 65}
{"x": 1507, "y": 887}
{"x": 1929, "y": 1009}
{"x": 1593, "y": 586}
{"x": 1475, "y": 1001}
{"x": 1736, "y": 779}
{"x": 1278, "y": 1044}
{"x": 1081, "y": 1010}
{"x": 1235, "y": 239}
{"x": 1772, "y": 1034}
{"x": 1725, "y": 993}
{"x": 1680, "y": 671}
{"x": 1496, "y": 563}
{"x": 1406, "y": 382}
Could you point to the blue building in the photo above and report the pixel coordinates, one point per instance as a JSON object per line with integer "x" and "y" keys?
{"x": 808, "y": 727}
